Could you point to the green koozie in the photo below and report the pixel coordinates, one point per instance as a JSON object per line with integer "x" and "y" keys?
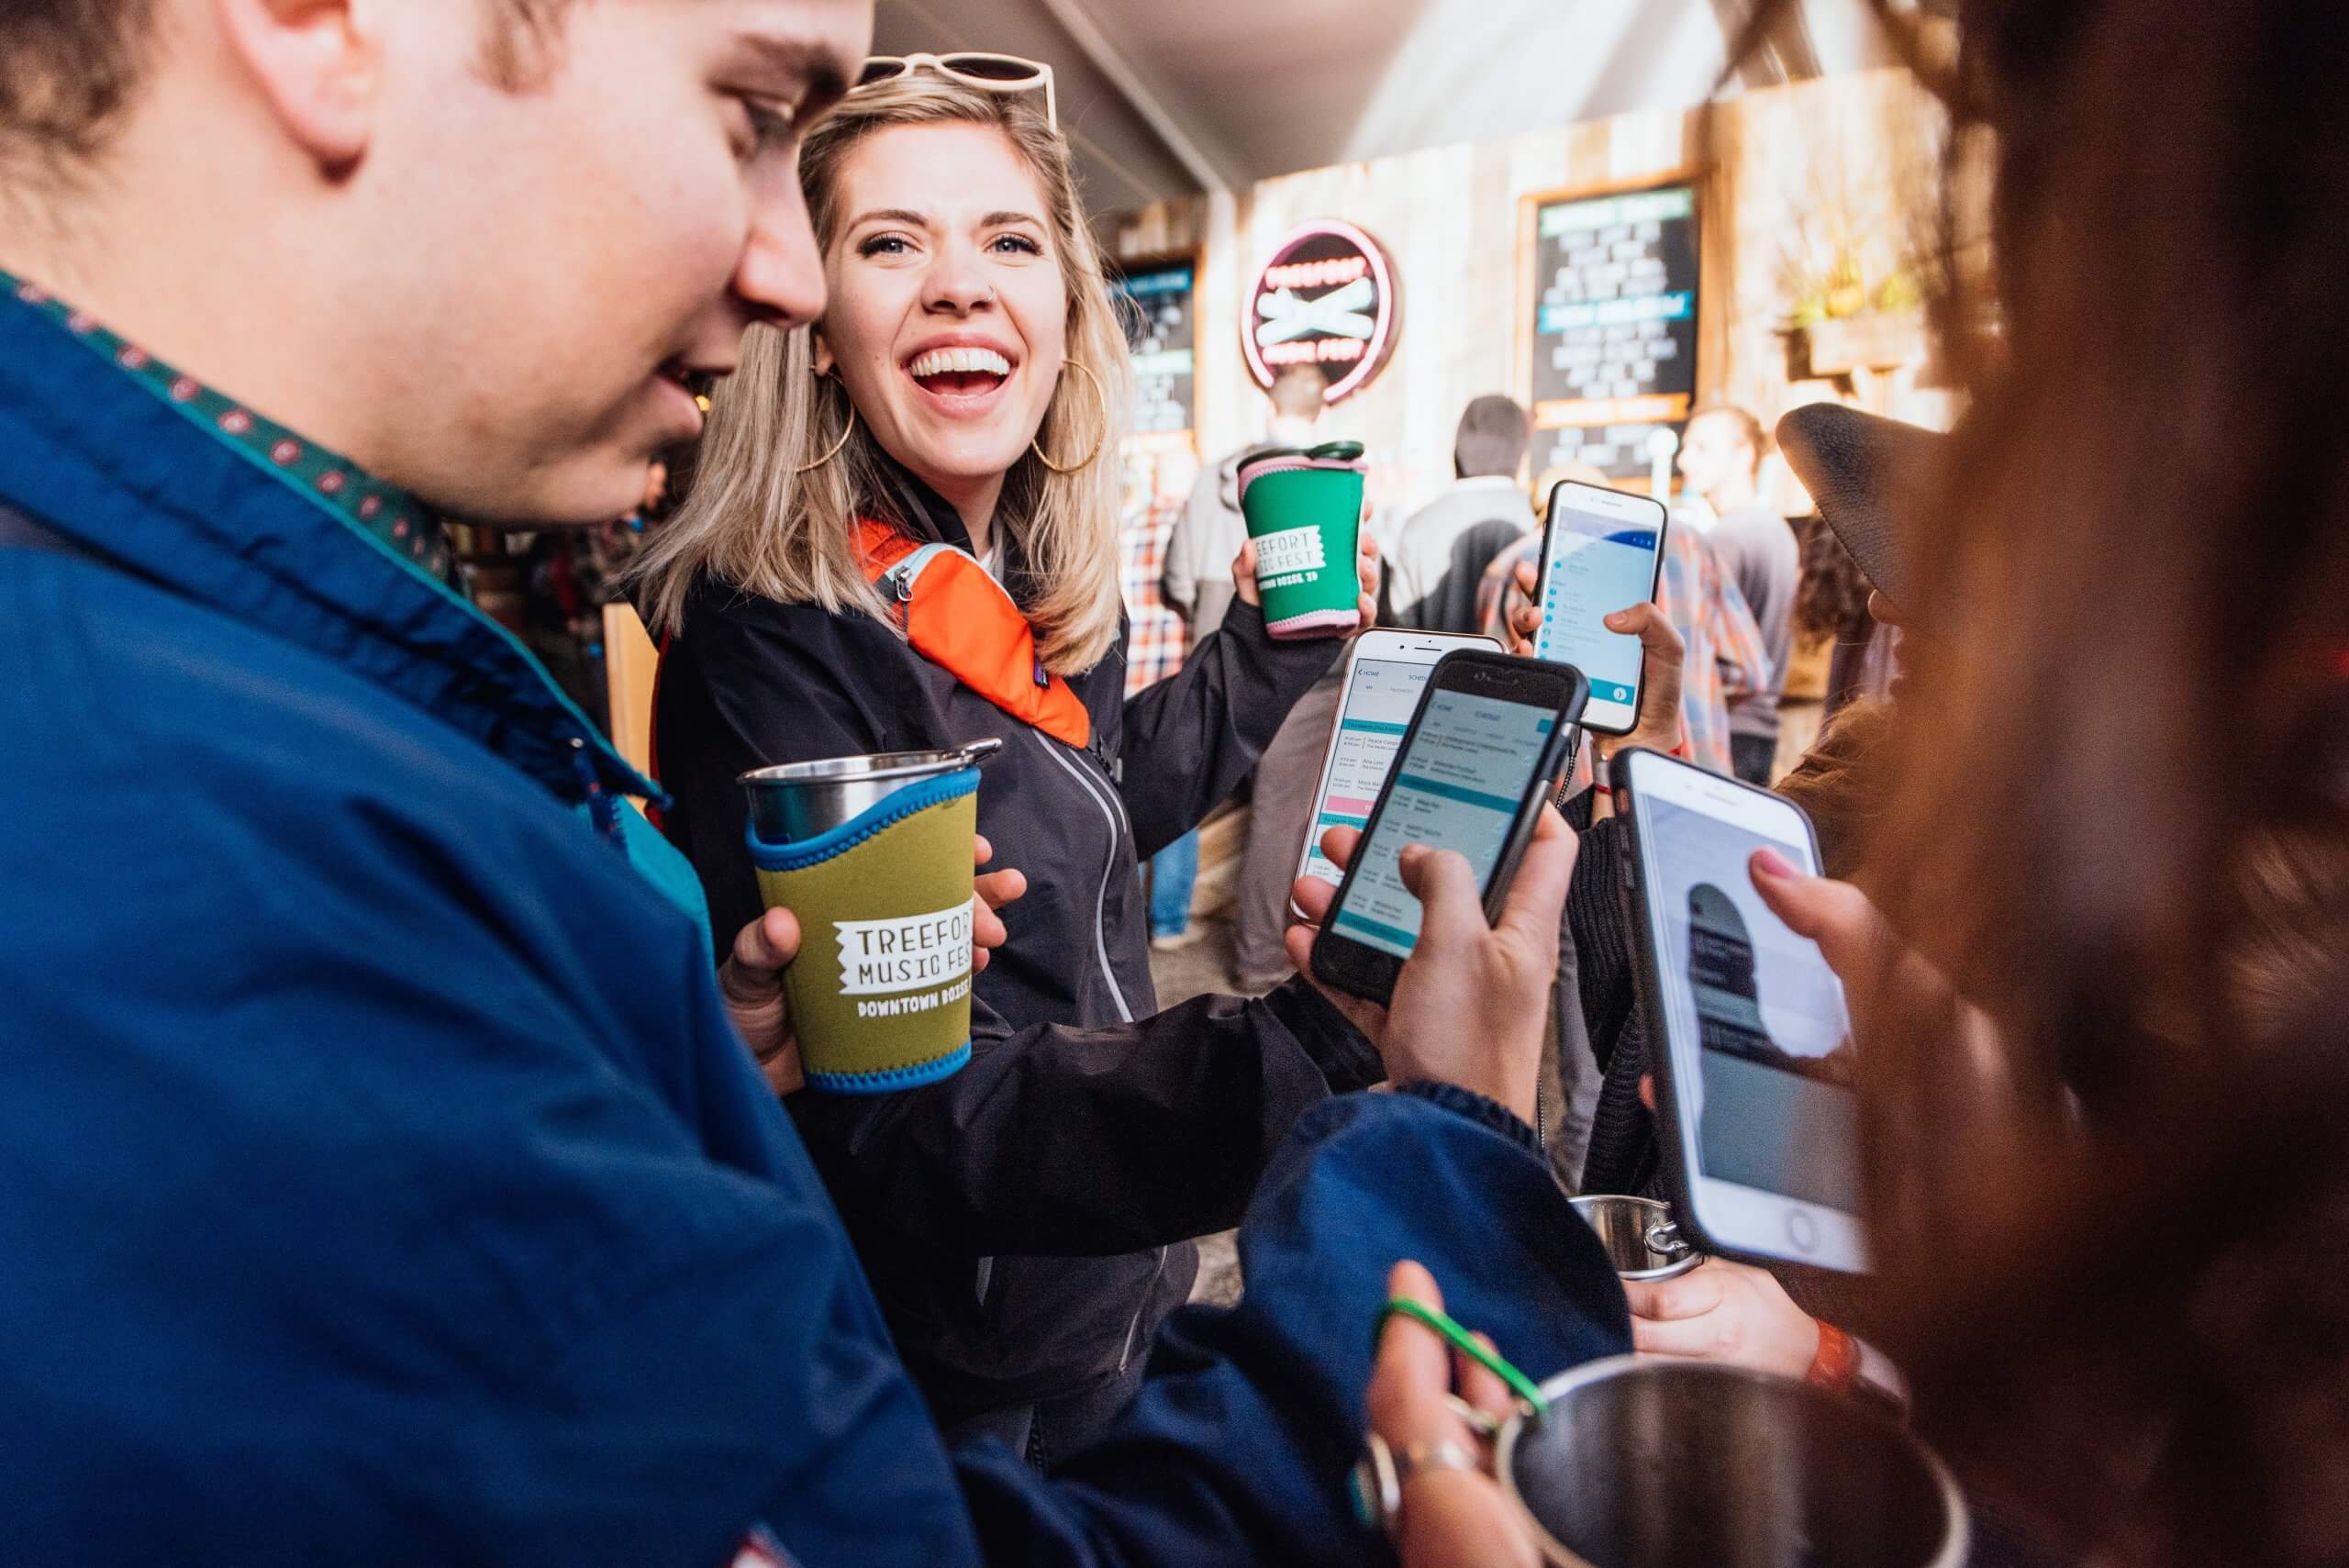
{"x": 1304, "y": 510}
{"x": 880, "y": 993}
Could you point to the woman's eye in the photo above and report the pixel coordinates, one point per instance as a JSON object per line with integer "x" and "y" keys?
{"x": 882, "y": 245}
{"x": 1019, "y": 243}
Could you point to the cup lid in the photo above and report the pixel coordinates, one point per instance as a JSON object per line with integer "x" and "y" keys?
{"x": 1328, "y": 452}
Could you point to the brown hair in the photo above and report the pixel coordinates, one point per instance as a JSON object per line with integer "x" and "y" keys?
{"x": 70, "y": 68}
{"x": 67, "y": 70}
{"x": 2113, "y": 1205}
{"x": 1831, "y": 600}
{"x": 1841, "y": 782}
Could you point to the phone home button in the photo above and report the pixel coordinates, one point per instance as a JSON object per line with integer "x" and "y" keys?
{"x": 1802, "y": 1230}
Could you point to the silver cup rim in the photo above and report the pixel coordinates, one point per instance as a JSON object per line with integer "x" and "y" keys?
{"x": 1690, "y": 1255}
{"x": 1955, "y": 1549}
{"x": 874, "y": 765}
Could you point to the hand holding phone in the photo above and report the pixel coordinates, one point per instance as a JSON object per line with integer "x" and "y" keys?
{"x": 1482, "y": 752}
{"x": 1602, "y": 552}
{"x": 1471, "y": 1005}
{"x": 1752, "y": 1047}
{"x": 1664, "y": 653}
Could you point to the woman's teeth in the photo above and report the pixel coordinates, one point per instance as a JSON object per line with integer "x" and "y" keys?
{"x": 957, "y": 362}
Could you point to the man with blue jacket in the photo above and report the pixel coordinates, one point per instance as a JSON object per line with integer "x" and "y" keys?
{"x": 382, "y": 1179}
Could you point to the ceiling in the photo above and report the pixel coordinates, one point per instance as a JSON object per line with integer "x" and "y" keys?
{"x": 1167, "y": 97}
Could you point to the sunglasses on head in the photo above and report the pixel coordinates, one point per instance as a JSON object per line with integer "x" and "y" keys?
{"x": 988, "y": 73}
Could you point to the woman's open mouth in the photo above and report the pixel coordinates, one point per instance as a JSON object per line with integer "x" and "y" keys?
{"x": 960, "y": 378}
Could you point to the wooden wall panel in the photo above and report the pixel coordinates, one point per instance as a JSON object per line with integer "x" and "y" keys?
{"x": 1782, "y": 162}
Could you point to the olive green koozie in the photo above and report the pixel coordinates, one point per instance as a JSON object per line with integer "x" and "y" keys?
{"x": 880, "y": 993}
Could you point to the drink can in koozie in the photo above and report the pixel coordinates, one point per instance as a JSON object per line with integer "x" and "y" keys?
{"x": 1304, "y": 510}
{"x": 873, "y": 856}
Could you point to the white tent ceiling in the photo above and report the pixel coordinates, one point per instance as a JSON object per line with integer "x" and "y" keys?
{"x": 1167, "y": 96}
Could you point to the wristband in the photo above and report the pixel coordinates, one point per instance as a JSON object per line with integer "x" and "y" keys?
{"x": 1836, "y": 1364}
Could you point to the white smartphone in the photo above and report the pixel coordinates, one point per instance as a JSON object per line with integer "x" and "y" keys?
{"x": 1754, "y": 1093}
{"x": 1602, "y": 550}
{"x": 1386, "y": 672}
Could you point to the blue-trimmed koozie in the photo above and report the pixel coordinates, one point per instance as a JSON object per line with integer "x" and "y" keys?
{"x": 873, "y": 856}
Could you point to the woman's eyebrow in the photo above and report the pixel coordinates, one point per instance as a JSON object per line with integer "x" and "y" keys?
{"x": 996, "y": 219}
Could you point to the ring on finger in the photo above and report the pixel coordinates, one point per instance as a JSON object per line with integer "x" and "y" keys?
{"x": 1375, "y": 1485}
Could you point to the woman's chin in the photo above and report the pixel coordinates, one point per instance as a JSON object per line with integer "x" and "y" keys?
{"x": 971, "y": 457}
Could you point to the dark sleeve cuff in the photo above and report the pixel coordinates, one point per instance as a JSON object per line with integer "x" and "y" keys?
{"x": 1485, "y": 1113}
{"x": 1579, "y": 809}
{"x": 1292, "y": 655}
{"x": 1347, "y": 1059}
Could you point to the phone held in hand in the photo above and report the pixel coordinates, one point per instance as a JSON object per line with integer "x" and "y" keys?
{"x": 1602, "y": 550}
{"x": 1386, "y": 672}
{"x": 1481, "y": 755}
{"x": 1754, "y": 1094}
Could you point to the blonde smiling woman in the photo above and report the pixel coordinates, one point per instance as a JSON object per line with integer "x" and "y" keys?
{"x": 965, "y": 391}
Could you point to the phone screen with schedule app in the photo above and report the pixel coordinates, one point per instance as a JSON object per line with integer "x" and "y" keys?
{"x": 1460, "y": 785}
{"x": 1600, "y": 554}
{"x": 1379, "y": 702}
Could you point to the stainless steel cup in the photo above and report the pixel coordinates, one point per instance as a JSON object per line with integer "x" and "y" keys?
{"x": 1690, "y": 1465}
{"x": 1641, "y": 1237}
{"x": 798, "y": 801}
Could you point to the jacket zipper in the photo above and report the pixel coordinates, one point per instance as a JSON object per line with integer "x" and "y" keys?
{"x": 1134, "y": 1327}
{"x": 1113, "y": 815}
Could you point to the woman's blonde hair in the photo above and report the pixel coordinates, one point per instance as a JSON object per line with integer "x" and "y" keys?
{"x": 753, "y": 521}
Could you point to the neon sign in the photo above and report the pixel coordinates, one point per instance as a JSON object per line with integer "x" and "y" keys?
{"x": 1328, "y": 296}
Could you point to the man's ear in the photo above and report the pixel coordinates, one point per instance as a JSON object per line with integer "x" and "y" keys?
{"x": 823, "y": 351}
{"x": 314, "y": 63}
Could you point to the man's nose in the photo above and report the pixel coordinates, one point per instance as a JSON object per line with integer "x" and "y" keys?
{"x": 781, "y": 275}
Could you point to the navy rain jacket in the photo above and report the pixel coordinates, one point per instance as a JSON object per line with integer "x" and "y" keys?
{"x": 381, "y": 1181}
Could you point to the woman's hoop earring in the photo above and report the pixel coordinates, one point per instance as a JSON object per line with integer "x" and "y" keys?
{"x": 1100, "y": 400}
{"x": 846, "y": 430}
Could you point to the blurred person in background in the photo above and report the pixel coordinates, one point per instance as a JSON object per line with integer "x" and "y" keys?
{"x": 1832, "y": 603}
{"x": 1721, "y": 459}
{"x": 1440, "y": 556}
{"x": 1207, "y": 536}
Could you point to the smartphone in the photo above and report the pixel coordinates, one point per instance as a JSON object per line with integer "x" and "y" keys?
{"x": 1753, "y": 1060}
{"x": 1482, "y": 752}
{"x": 1602, "y": 550}
{"x": 1385, "y": 675}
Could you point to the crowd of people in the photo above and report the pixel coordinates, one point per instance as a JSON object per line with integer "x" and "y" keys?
{"x": 403, "y": 1150}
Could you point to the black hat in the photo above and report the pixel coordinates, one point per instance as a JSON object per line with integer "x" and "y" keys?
{"x": 1868, "y": 475}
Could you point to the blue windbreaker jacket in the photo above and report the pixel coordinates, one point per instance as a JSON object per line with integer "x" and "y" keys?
{"x": 381, "y": 1181}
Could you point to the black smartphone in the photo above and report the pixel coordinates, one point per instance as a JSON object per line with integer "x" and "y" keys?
{"x": 1747, "y": 1032}
{"x": 1602, "y": 550}
{"x": 1483, "y": 752}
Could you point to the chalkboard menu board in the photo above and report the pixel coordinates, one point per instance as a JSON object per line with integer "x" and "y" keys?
{"x": 1158, "y": 305}
{"x": 1614, "y": 315}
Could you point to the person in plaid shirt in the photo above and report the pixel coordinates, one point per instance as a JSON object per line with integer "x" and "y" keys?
{"x": 1158, "y": 636}
{"x": 1155, "y": 643}
{"x": 1727, "y": 658}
